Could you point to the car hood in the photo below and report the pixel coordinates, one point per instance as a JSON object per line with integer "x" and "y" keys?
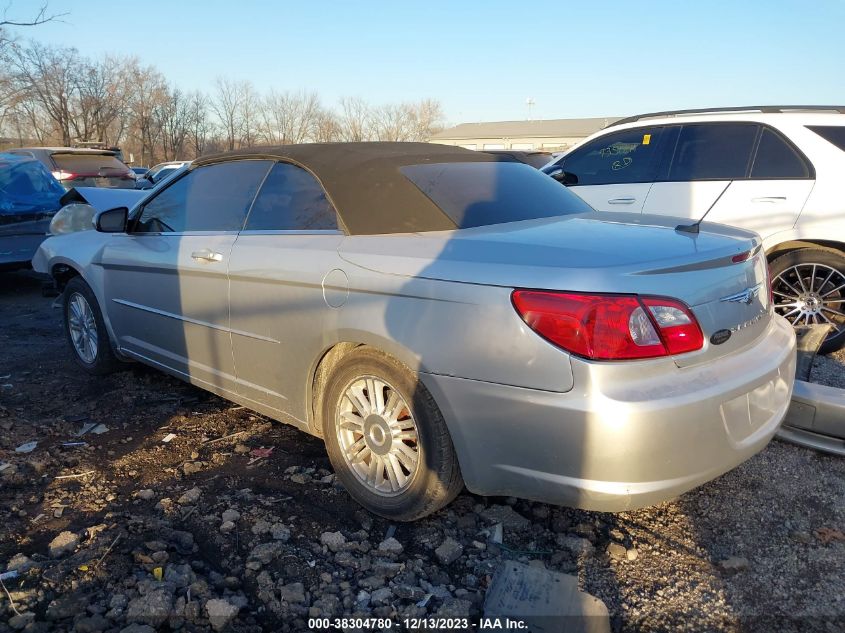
{"x": 102, "y": 199}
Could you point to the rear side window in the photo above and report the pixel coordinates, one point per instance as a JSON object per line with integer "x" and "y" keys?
{"x": 622, "y": 157}
{"x": 211, "y": 198}
{"x": 86, "y": 164}
{"x": 832, "y": 133}
{"x": 479, "y": 194}
{"x": 775, "y": 158}
{"x": 291, "y": 199}
{"x": 713, "y": 152}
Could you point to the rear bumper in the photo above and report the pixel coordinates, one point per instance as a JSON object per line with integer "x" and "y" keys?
{"x": 628, "y": 434}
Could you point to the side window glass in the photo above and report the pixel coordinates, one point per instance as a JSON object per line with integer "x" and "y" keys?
{"x": 166, "y": 212}
{"x": 291, "y": 199}
{"x": 776, "y": 159}
{"x": 832, "y": 133}
{"x": 623, "y": 157}
{"x": 211, "y": 198}
{"x": 713, "y": 152}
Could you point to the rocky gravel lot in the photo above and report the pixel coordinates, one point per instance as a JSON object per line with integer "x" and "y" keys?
{"x": 185, "y": 512}
{"x": 829, "y": 370}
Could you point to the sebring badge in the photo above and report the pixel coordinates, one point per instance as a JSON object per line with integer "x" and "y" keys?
{"x": 746, "y": 296}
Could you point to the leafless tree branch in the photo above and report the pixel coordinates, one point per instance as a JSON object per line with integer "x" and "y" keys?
{"x": 42, "y": 17}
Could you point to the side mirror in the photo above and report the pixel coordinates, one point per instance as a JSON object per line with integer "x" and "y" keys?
{"x": 564, "y": 177}
{"x": 112, "y": 220}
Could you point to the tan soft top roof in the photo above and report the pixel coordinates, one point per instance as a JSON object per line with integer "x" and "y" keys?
{"x": 364, "y": 182}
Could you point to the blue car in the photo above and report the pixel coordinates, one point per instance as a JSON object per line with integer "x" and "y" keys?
{"x": 29, "y": 198}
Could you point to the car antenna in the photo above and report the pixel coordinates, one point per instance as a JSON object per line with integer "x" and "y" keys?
{"x": 694, "y": 227}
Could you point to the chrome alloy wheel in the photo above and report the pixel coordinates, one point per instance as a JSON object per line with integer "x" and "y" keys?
{"x": 810, "y": 294}
{"x": 378, "y": 436}
{"x": 83, "y": 328}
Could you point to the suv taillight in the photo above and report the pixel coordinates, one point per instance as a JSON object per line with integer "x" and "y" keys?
{"x": 610, "y": 327}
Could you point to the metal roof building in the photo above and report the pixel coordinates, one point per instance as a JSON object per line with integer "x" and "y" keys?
{"x": 549, "y": 134}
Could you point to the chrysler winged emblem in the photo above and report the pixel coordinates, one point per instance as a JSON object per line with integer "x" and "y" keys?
{"x": 746, "y": 296}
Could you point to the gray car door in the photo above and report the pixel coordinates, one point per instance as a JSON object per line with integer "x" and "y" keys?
{"x": 166, "y": 281}
{"x": 286, "y": 280}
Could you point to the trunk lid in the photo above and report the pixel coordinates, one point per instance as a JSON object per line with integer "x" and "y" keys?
{"x": 611, "y": 253}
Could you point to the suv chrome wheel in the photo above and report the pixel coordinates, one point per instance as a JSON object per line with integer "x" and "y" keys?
{"x": 83, "y": 328}
{"x": 810, "y": 294}
{"x": 377, "y": 435}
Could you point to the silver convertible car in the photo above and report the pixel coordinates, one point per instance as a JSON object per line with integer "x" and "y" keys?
{"x": 441, "y": 318}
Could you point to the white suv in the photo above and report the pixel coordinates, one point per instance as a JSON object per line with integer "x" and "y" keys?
{"x": 777, "y": 170}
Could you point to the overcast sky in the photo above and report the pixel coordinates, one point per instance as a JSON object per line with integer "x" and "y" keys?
{"x": 481, "y": 59}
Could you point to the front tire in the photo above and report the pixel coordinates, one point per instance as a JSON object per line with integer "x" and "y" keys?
{"x": 387, "y": 439}
{"x": 85, "y": 329}
{"x": 808, "y": 286}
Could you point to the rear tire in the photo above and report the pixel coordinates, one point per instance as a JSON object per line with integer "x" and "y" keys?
{"x": 808, "y": 286}
{"x": 86, "y": 331}
{"x": 387, "y": 439}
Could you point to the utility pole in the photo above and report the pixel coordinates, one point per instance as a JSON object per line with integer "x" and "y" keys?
{"x": 530, "y": 103}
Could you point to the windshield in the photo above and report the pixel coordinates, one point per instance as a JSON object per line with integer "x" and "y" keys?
{"x": 479, "y": 194}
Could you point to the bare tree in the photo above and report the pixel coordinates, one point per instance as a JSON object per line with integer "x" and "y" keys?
{"x": 249, "y": 105}
{"x": 355, "y": 120}
{"x": 426, "y": 119}
{"x": 173, "y": 115}
{"x": 53, "y": 95}
{"x": 392, "y": 122}
{"x": 407, "y": 121}
{"x": 28, "y": 122}
{"x": 48, "y": 76}
{"x": 40, "y": 17}
{"x": 101, "y": 101}
{"x": 200, "y": 129}
{"x": 149, "y": 90}
{"x": 326, "y": 127}
{"x": 227, "y": 105}
{"x": 9, "y": 93}
{"x": 289, "y": 117}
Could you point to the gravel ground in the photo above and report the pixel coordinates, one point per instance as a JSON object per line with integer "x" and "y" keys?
{"x": 212, "y": 531}
{"x": 829, "y": 370}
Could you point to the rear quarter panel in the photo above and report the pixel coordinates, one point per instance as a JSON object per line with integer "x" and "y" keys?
{"x": 450, "y": 328}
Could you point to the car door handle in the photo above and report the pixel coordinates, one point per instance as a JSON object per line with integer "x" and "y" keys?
{"x": 622, "y": 201}
{"x": 207, "y": 255}
{"x": 769, "y": 199}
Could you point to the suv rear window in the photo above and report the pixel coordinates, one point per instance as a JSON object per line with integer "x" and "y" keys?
{"x": 832, "y": 133}
{"x": 480, "y": 194}
{"x": 776, "y": 159}
{"x": 89, "y": 164}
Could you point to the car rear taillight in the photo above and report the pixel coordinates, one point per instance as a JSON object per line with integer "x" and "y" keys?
{"x": 63, "y": 175}
{"x": 610, "y": 327}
